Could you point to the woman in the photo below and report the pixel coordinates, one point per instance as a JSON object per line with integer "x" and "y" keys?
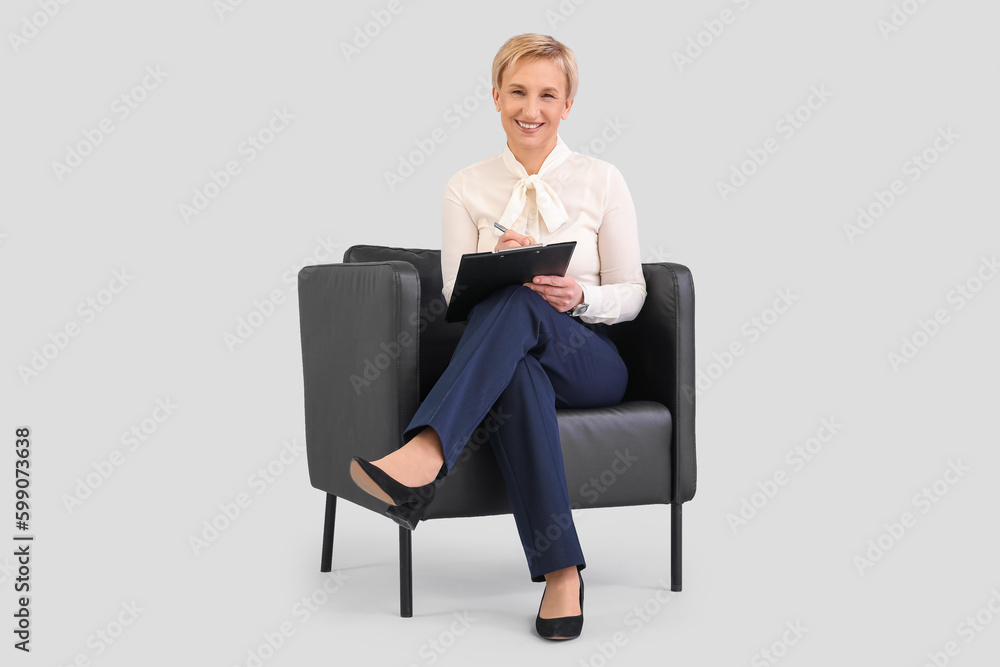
{"x": 527, "y": 349}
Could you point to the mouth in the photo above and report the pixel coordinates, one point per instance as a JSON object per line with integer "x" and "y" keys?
{"x": 528, "y": 127}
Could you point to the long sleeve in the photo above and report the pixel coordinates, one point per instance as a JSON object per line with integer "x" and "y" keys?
{"x": 459, "y": 233}
{"x": 622, "y": 291}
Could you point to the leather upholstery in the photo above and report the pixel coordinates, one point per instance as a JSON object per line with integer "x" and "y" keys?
{"x": 374, "y": 341}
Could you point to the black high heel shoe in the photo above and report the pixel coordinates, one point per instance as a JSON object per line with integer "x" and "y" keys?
{"x": 406, "y": 503}
{"x": 563, "y": 627}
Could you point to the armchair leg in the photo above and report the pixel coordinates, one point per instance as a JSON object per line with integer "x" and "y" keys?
{"x": 331, "y": 514}
{"x": 675, "y": 546}
{"x": 405, "y": 573}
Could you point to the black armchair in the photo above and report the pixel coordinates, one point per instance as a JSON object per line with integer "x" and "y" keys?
{"x": 374, "y": 342}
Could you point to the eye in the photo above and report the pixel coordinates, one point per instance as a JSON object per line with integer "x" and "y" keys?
{"x": 516, "y": 92}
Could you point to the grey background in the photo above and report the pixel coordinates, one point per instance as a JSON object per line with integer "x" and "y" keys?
{"x": 322, "y": 183}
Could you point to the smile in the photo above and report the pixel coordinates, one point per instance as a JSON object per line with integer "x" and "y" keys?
{"x": 527, "y": 126}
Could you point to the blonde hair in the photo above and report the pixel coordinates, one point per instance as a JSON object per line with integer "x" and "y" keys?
{"x": 532, "y": 45}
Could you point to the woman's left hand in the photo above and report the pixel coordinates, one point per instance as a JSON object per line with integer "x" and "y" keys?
{"x": 562, "y": 293}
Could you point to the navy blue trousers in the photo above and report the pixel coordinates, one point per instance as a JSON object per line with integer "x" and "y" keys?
{"x": 520, "y": 359}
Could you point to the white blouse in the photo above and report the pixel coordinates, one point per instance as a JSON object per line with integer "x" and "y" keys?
{"x": 601, "y": 220}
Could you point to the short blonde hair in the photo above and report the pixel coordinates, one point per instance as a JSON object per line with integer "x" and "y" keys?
{"x": 532, "y": 45}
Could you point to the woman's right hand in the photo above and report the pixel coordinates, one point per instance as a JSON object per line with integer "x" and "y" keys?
{"x": 511, "y": 239}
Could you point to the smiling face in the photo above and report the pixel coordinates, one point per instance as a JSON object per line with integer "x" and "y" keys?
{"x": 531, "y": 101}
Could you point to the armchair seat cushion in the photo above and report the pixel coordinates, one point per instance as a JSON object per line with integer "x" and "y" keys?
{"x": 614, "y": 456}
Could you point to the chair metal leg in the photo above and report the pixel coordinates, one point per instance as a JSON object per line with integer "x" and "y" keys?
{"x": 675, "y": 546}
{"x": 331, "y": 514}
{"x": 405, "y": 572}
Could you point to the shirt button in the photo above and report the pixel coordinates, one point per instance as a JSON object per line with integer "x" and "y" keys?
{"x": 533, "y": 211}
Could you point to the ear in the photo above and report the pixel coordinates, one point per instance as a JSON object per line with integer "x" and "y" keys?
{"x": 569, "y": 105}
{"x": 496, "y": 99}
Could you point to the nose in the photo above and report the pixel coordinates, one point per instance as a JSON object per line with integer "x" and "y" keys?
{"x": 531, "y": 106}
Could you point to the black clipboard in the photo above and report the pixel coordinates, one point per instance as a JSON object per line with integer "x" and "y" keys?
{"x": 482, "y": 273}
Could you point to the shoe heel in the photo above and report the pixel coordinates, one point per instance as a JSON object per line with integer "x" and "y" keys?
{"x": 408, "y": 502}
{"x": 407, "y": 516}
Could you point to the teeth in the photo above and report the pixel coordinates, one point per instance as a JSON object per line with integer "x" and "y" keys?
{"x": 528, "y": 127}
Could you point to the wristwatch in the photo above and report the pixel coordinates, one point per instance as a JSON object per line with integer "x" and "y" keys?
{"x": 579, "y": 310}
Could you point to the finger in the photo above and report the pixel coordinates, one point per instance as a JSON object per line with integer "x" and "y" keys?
{"x": 511, "y": 235}
{"x": 506, "y": 241}
{"x": 541, "y": 291}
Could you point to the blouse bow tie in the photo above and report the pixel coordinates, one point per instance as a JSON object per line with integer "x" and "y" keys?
{"x": 549, "y": 204}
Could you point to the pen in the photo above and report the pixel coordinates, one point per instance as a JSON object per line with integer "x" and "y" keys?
{"x": 503, "y": 230}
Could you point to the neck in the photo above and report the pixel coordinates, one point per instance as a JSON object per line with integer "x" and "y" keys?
{"x": 532, "y": 159}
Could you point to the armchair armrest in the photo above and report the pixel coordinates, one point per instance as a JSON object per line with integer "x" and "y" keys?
{"x": 658, "y": 349}
{"x": 360, "y": 345}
